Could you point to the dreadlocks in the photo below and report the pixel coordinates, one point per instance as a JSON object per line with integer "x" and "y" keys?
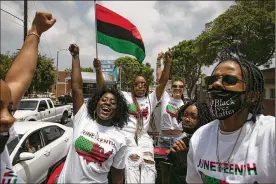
{"x": 204, "y": 114}
{"x": 253, "y": 78}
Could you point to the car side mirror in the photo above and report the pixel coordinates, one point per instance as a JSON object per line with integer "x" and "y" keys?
{"x": 26, "y": 156}
{"x": 41, "y": 109}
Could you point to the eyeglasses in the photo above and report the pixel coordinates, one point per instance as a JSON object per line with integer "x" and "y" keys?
{"x": 226, "y": 80}
{"x": 142, "y": 84}
{"x": 179, "y": 86}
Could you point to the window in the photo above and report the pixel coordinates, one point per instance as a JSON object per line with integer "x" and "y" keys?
{"x": 32, "y": 144}
{"x": 50, "y": 104}
{"x": 43, "y": 104}
{"x": 12, "y": 144}
{"x": 272, "y": 93}
{"x": 52, "y": 133}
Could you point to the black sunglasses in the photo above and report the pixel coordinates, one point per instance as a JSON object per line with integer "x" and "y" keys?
{"x": 226, "y": 80}
{"x": 179, "y": 86}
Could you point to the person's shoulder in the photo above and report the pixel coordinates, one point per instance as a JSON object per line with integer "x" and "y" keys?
{"x": 119, "y": 135}
{"x": 204, "y": 131}
{"x": 265, "y": 123}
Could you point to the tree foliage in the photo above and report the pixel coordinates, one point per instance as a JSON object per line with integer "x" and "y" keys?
{"x": 246, "y": 29}
{"x": 45, "y": 74}
{"x": 83, "y": 69}
{"x": 129, "y": 67}
{"x": 187, "y": 63}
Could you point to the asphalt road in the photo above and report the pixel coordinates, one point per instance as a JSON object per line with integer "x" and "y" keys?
{"x": 69, "y": 123}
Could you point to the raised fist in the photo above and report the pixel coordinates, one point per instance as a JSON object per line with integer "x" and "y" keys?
{"x": 168, "y": 56}
{"x": 97, "y": 64}
{"x": 42, "y": 22}
{"x": 74, "y": 50}
{"x": 160, "y": 56}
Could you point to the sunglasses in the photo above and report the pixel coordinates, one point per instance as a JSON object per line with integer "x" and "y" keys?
{"x": 179, "y": 86}
{"x": 142, "y": 84}
{"x": 226, "y": 80}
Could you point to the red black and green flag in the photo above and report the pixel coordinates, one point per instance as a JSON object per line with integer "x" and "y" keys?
{"x": 118, "y": 33}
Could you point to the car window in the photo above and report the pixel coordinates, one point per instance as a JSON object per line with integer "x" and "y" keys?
{"x": 52, "y": 133}
{"x": 12, "y": 144}
{"x": 50, "y": 104}
{"x": 43, "y": 104}
{"x": 32, "y": 144}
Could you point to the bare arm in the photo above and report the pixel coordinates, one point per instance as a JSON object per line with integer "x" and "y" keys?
{"x": 117, "y": 175}
{"x": 99, "y": 74}
{"x": 158, "y": 67}
{"x": 20, "y": 75}
{"x": 165, "y": 75}
{"x": 76, "y": 79}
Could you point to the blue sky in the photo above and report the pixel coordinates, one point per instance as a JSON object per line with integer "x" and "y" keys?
{"x": 162, "y": 24}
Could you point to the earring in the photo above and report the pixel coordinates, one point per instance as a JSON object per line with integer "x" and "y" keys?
{"x": 94, "y": 114}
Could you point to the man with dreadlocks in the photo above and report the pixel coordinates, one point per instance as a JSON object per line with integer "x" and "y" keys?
{"x": 239, "y": 146}
{"x": 140, "y": 165}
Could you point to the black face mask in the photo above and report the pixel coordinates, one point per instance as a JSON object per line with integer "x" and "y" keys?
{"x": 3, "y": 142}
{"x": 189, "y": 130}
{"x": 225, "y": 103}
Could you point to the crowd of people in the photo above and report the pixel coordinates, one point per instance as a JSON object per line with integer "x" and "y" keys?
{"x": 224, "y": 140}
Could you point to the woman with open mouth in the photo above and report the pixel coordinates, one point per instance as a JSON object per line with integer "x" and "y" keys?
{"x": 98, "y": 145}
{"x": 140, "y": 165}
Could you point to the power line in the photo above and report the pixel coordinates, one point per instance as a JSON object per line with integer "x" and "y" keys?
{"x": 12, "y": 15}
{"x": 12, "y": 8}
{"x": 45, "y": 37}
{"x": 14, "y": 22}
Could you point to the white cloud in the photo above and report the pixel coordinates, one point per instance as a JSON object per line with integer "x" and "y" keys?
{"x": 162, "y": 24}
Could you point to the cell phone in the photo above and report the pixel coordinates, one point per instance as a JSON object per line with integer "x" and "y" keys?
{"x": 186, "y": 140}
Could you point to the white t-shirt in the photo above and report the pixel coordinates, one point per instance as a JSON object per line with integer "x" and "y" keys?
{"x": 95, "y": 148}
{"x": 253, "y": 159}
{"x": 146, "y": 104}
{"x": 169, "y": 111}
{"x": 8, "y": 175}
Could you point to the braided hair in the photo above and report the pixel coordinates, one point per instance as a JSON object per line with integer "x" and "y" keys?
{"x": 204, "y": 114}
{"x": 140, "y": 123}
{"x": 254, "y": 81}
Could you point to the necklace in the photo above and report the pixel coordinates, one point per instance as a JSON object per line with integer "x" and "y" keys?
{"x": 222, "y": 165}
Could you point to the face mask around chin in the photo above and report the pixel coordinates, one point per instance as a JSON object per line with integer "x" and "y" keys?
{"x": 3, "y": 142}
{"x": 225, "y": 103}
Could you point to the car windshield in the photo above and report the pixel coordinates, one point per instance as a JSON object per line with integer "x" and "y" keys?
{"x": 11, "y": 145}
{"x": 28, "y": 105}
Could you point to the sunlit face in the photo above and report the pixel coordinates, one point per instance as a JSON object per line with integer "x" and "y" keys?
{"x": 177, "y": 89}
{"x": 228, "y": 76}
{"x": 6, "y": 118}
{"x": 140, "y": 86}
{"x": 190, "y": 117}
{"x": 106, "y": 107}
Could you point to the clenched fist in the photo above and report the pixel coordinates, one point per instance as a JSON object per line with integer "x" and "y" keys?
{"x": 97, "y": 64}
{"x": 42, "y": 22}
{"x": 74, "y": 50}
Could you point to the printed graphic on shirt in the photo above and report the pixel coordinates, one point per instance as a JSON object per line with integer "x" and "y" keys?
{"x": 211, "y": 180}
{"x": 90, "y": 151}
{"x": 172, "y": 109}
{"x": 132, "y": 110}
{"x": 228, "y": 168}
{"x": 9, "y": 177}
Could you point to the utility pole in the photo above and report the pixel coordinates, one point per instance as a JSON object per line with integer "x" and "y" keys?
{"x": 25, "y": 18}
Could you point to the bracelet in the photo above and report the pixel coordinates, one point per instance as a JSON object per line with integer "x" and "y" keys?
{"x": 32, "y": 33}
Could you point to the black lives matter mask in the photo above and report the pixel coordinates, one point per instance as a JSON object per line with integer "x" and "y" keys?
{"x": 225, "y": 103}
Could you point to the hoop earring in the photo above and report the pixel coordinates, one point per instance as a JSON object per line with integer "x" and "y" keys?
{"x": 94, "y": 114}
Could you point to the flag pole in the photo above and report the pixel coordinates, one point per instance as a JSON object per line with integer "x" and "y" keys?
{"x": 96, "y": 30}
